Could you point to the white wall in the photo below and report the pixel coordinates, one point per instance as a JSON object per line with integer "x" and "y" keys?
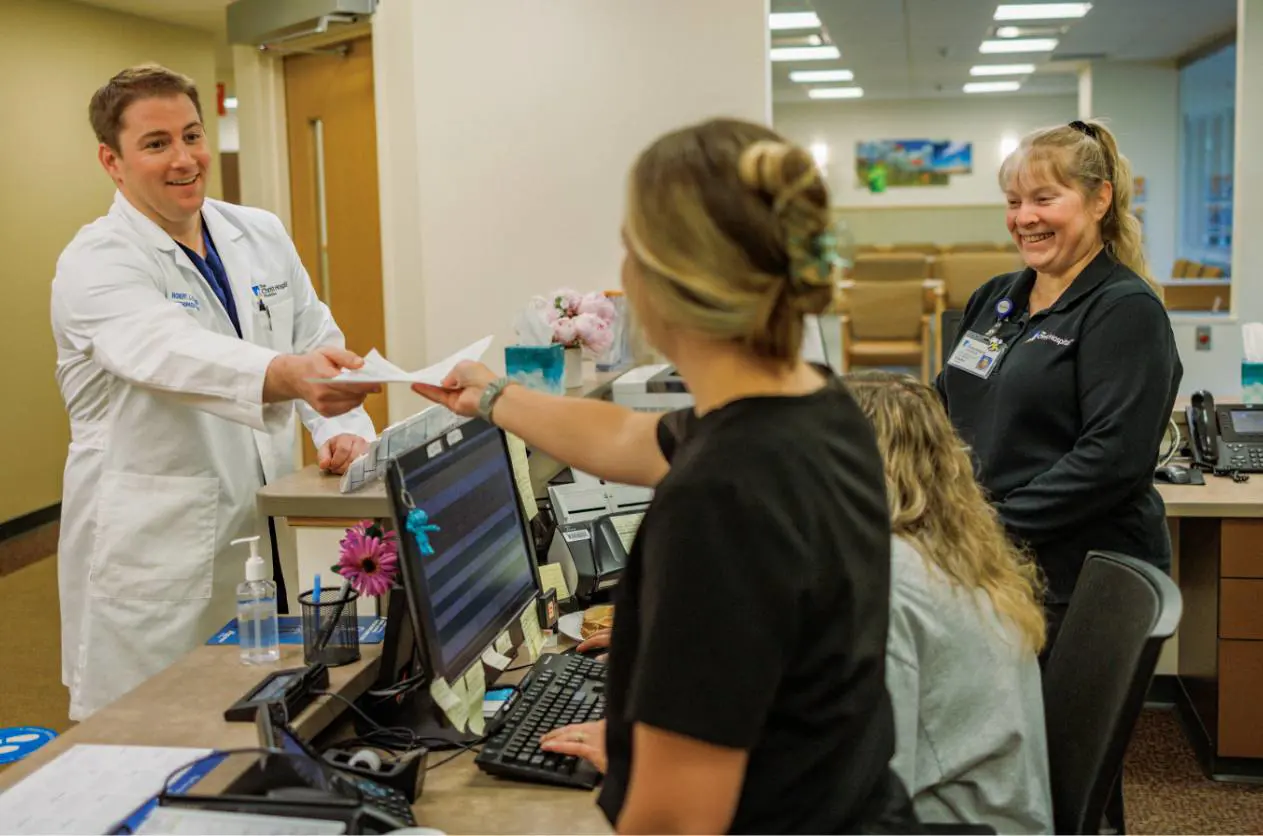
{"x": 983, "y": 120}
{"x": 1219, "y": 370}
{"x": 229, "y": 135}
{"x": 503, "y": 174}
{"x": 1139, "y": 102}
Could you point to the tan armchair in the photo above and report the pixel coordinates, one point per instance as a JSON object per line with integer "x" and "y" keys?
{"x": 887, "y": 323}
{"x": 963, "y": 273}
{"x": 871, "y": 267}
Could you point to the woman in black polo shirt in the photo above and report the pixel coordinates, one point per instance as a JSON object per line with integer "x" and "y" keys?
{"x": 746, "y": 683}
{"x": 1064, "y": 374}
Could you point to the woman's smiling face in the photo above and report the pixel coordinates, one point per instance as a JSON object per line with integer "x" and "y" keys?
{"x": 1055, "y": 226}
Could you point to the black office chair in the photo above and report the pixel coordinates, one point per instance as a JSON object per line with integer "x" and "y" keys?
{"x": 1121, "y": 613}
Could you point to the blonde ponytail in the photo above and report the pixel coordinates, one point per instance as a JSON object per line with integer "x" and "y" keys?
{"x": 1086, "y": 154}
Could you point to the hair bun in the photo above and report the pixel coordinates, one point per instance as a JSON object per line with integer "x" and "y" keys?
{"x": 788, "y": 177}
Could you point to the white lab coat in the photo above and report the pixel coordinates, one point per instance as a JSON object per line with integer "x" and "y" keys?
{"x": 170, "y": 438}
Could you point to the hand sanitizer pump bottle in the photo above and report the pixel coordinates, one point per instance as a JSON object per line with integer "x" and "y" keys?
{"x": 257, "y": 626}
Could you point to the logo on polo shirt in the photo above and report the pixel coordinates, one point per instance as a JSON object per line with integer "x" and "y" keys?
{"x": 1050, "y": 337}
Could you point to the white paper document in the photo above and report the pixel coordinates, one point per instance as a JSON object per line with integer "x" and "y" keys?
{"x": 88, "y": 789}
{"x": 177, "y": 821}
{"x": 377, "y": 369}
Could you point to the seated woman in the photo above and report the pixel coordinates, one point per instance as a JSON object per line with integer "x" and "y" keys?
{"x": 966, "y": 626}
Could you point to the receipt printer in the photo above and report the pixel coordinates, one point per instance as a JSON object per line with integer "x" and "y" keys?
{"x": 652, "y": 389}
{"x": 593, "y": 553}
{"x": 596, "y": 521}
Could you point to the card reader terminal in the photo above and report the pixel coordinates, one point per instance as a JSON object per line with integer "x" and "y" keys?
{"x": 293, "y": 688}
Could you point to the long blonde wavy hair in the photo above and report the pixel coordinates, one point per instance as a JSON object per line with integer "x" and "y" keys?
{"x": 937, "y": 505}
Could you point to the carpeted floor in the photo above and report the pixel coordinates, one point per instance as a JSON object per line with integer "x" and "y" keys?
{"x": 31, "y": 693}
{"x": 1164, "y": 787}
{"x": 1165, "y": 790}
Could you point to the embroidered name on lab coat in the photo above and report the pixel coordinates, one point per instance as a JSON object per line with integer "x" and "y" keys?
{"x": 188, "y": 300}
{"x": 1052, "y": 338}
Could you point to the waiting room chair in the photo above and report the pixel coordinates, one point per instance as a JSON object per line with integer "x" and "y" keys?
{"x": 886, "y": 323}
{"x": 895, "y": 266}
{"x": 1121, "y": 613}
{"x": 964, "y": 272}
{"x": 1209, "y": 271}
{"x": 1184, "y": 269}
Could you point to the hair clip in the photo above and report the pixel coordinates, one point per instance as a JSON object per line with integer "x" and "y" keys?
{"x": 1084, "y": 128}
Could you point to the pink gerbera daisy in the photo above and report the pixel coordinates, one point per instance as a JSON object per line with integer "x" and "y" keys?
{"x": 369, "y": 559}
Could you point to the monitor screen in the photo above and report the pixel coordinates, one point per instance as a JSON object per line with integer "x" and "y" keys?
{"x": 482, "y": 570}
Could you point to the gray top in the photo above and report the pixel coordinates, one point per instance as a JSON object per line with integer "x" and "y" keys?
{"x": 969, "y": 707}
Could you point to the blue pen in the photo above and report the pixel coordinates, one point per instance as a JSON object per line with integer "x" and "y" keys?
{"x": 315, "y": 590}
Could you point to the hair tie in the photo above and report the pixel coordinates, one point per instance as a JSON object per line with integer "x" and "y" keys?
{"x": 812, "y": 262}
{"x": 1084, "y": 128}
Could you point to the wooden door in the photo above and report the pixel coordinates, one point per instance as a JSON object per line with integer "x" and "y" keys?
{"x": 332, "y": 134}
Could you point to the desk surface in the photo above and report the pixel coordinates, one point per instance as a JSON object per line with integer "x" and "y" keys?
{"x": 1219, "y": 497}
{"x": 309, "y": 492}
{"x": 184, "y": 706}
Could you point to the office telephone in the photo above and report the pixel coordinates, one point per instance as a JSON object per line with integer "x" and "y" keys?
{"x": 1225, "y": 438}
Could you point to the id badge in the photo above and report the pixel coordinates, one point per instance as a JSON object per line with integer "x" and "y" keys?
{"x": 977, "y": 355}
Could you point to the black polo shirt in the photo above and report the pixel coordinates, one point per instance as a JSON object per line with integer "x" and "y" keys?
{"x": 1066, "y": 429}
{"x": 753, "y": 611}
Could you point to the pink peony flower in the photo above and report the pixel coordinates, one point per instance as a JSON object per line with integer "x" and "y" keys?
{"x": 567, "y": 301}
{"x": 369, "y": 558}
{"x": 599, "y": 306}
{"x": 593, "y": 332}
{"x": 564, "y": 331}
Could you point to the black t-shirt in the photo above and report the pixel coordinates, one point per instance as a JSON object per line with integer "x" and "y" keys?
{"x": 753, "y": 610}
{"x": 1066, "y": 429}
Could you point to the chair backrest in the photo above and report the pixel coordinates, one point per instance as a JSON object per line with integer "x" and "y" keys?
{"x": 1095, "y": 680}
{"x": 885, "y": 310}
{"x": 963, "y": 273}
{"x": 1209, "y": 271}
{"x": 1183, "y": 269}
{"x": 890, "y": 266}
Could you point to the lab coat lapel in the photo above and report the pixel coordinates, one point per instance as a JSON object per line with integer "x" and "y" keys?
{"x": 237, "y": 264}
{"x": 158, "y": 238}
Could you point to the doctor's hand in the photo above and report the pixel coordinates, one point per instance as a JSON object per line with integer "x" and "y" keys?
{"x": 297, "y": 377}
{"x": 584, "y": 740}
{"x": 461, "y": 389}
{"x": 336, "y": 454}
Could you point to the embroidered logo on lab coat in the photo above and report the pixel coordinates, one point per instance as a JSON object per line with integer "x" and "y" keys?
{"x": 1048, "y": 337}
{"x": 267, "y": 291}
{"x": 188, "y": 300}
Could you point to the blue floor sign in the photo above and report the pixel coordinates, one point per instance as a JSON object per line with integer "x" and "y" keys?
{"x": 19, "y": 741}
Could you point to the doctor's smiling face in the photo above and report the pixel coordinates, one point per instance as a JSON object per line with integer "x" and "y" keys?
{"x": 162, "y": 160}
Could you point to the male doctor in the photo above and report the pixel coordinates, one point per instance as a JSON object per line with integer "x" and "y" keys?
{"x": 187, "y": 330}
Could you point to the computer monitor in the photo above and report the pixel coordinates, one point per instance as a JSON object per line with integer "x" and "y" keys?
{"x": 482, "y": 571}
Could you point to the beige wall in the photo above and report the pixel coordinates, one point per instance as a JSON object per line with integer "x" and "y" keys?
{"x": 53, "y": 55}
{"x": 502, "y": 176}
{"x": 925, "y": 224}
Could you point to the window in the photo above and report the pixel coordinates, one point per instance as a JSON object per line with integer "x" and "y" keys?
{"x": 1207, "y": 109}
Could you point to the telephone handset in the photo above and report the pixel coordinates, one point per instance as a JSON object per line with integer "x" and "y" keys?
{"x": 1203, "y": 429}
{"x": 1225, "y": 438}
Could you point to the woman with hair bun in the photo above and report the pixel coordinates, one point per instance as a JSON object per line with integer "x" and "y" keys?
{"x": 745, "y": 688}
{"x": 1066, "y": 420}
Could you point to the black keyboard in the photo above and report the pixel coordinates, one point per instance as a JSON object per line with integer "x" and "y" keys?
{"x": 559, "y": 690}
{"x": 386, "y": 799}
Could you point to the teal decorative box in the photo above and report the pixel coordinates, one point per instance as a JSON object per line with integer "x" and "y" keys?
{"x": 538, "y": 367}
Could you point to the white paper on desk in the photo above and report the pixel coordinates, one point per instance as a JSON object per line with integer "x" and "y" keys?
{"x": 377, "y": 369}
{"x": 88, "y": 789}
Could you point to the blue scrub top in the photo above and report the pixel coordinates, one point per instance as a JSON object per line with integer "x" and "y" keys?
{"x": 212, "y": 269}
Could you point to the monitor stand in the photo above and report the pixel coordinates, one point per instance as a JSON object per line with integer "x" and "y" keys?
{"x": 414, "y": 710}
